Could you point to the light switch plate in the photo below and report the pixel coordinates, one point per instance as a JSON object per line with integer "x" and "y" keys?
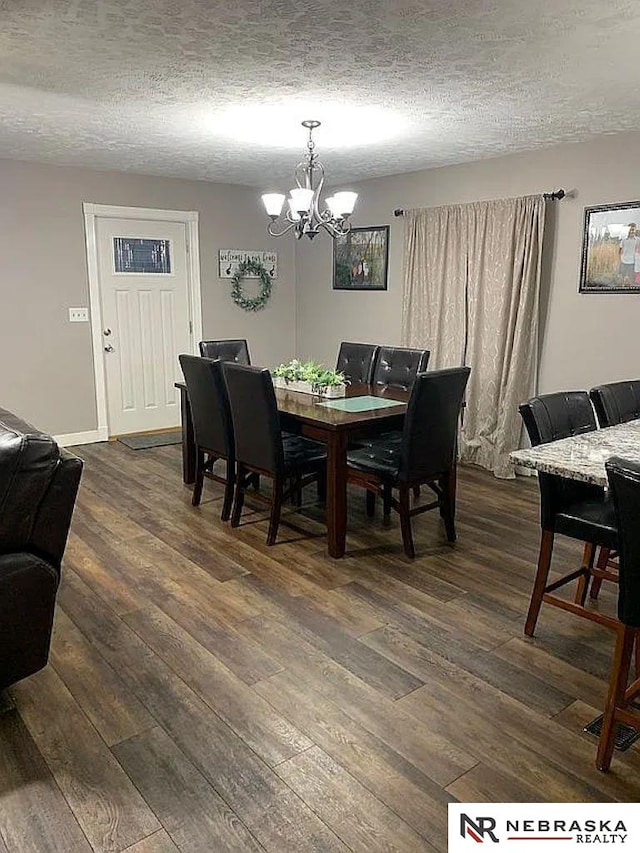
{"x": 78, "y": 315}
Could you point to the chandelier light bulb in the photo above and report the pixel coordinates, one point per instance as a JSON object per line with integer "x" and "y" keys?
{"x": 343, "y": 203}
{"x": 273, "y": 204}
{"x": 301, "y": 199}
{"x": 331, "y": 204}
{"x": 293, "y": 213}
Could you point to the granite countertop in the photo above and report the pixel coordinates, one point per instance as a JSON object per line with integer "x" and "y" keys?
{"x": 582, "y": 457}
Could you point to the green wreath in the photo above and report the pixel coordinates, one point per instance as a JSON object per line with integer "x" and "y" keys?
{"x": 257, "y": 302}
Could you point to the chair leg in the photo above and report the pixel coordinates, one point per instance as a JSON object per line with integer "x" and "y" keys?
{"x": 452, "y": 486}
{"x": 416, "y": 492}
{"x": 583, "y": 582}
{"x": 405, "y": 521}
{"x": 199, "y": 481}
{"x": 544, "y": 564}
{"x": 596, "y": 583}
{"x": 228, "y": 491}
{"x": 594, "y": 592}
{"x": 386, "y": 501}
{"x": 276, "y": 507}
{"x": 448, "y": 507}
{"x": 615, "y": 698}
{"x": 371, "y": 504}
{"x": 238, "y": 499}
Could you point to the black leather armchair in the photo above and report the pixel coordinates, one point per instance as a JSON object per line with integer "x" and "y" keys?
{"x": 397, "y": 367}
{"x": 229, "y": 350}
{"x": 356, "y": 361}
{"x": 617, "y": 402}
{"x": 38, "y": 487}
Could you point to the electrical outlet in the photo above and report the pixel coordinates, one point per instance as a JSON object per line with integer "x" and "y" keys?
{"x": 78, "y": 315}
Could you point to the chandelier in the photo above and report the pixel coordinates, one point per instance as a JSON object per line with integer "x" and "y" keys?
{"x": 302, "y": 214}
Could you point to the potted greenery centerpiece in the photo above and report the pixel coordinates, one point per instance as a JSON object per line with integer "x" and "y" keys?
{"x": 309, "y": 377}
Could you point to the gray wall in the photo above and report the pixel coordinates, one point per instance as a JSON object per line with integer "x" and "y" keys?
{"x": 46, "y": 372}
{"x": 586, "y": 339}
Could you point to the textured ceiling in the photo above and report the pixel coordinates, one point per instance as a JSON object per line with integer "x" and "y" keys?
{"x": 215, "y": 90}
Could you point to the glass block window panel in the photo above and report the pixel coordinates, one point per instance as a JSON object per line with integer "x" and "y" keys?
{"x": 134, "y": 255}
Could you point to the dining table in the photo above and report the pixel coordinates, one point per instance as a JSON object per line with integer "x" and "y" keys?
{"x": 365, "y": 410}
{"x": 582, "y": 457}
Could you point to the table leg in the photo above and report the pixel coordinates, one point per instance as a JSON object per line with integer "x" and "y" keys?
{"x": 336, "y": 492}
{"x": 188, "y": 440}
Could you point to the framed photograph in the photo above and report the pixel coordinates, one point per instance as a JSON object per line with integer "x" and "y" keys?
{"x": 361, "y": 259}
{"x": 611, "y": 249}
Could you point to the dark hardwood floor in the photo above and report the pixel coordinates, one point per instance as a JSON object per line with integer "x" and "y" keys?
{"x": 207, "y": 693}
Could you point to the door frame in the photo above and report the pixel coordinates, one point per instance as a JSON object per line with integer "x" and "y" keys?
{"x": 92, "y": 212}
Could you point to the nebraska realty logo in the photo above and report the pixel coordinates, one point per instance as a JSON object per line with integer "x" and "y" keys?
{"x": 545, "y": 826}
{"x": 478, "y": 827}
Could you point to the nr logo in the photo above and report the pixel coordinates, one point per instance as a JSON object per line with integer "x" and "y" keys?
{"x": 478, "y": 828}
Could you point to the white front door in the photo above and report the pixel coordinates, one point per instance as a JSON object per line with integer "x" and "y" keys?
{"x": 144, "y": 295}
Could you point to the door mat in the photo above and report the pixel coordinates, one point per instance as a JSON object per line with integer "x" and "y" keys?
{"x": 151, "y": 439}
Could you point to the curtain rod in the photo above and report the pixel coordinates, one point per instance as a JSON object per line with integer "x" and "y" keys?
{"x": 556, "y": 195}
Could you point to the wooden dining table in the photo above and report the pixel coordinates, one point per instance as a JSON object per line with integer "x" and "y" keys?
{"x": 372, "y": 409}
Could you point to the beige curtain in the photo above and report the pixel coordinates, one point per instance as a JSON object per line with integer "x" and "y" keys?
{"x": 471, "y": 296}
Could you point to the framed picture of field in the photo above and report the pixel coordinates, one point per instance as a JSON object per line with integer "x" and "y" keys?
{"x": 611, "y": 249}
{"x": 361, "y": 259}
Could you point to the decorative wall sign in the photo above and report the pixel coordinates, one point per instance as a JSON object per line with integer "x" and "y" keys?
{"x": 134, "y": 255}
{"x": 229, "y": 261}
{"x": 611, "y": 249}
{"x": 360, "y": 259}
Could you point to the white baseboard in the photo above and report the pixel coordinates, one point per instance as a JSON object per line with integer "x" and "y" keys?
{"x": 72, "y": 439}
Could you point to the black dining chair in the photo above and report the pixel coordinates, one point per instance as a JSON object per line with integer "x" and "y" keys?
{"x": 261, "y": 446}
{"x": 578, "y": 510}
{"x": 228, "y": 350}
{"x": 397, "y": 367}
{"x": 426, "y": 453}
{"x": 617, "y": 402}
{"x": 212, "y": 427}
{"x": 624, "y": 484}
{"x": 356, "y": 361}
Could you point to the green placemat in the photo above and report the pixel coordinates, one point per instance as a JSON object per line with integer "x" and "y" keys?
{"x": 360, "y": 404}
